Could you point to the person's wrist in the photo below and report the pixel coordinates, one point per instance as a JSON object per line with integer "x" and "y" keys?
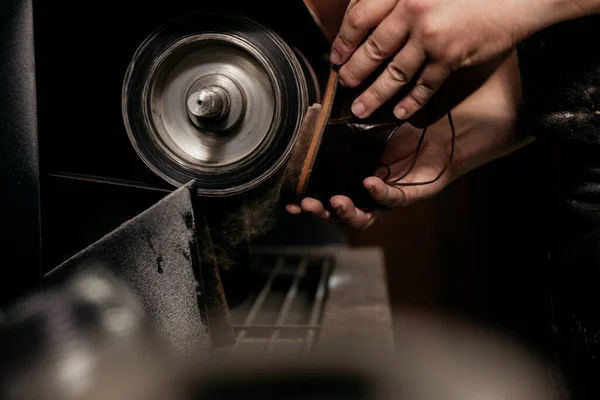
{"x": 541, "y": 14}
{"x": 582, "y": 8}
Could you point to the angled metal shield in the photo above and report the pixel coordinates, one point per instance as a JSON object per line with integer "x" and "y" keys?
{"x": 156, "y": 255}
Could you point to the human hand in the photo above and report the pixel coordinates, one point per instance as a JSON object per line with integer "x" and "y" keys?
{"x": 485, "y": 130}
{"x": 399, "y": 157}
{"x": 423, "y": 41}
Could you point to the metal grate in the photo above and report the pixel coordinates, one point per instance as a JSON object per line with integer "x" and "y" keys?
{"x": 283, "y": 312}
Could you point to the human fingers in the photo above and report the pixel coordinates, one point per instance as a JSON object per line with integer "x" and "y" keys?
{"x": 431, "y": 79}
{"x": 294, "y": 209}
{"x": 381, "y": 45}
{"x": 314, "y": 208}
{"x": 358, "y": 21}
{"x": 350, "y": 215}
{"x": 385, "y": 194}
{"x": 402, "y": 196}
{"x": 400, "y": 71}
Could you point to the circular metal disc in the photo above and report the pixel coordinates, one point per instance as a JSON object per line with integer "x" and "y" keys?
{"x": 215, "y": 98}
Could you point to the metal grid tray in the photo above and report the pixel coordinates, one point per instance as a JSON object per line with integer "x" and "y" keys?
{"x": 284, "y": 310}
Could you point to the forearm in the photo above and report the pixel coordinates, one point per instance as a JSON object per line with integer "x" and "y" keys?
{"x": 540, "y": 14}
{"x": 486, "y": 121}
{"x": 577, "y": 8}
{"x": 593, "y": 5}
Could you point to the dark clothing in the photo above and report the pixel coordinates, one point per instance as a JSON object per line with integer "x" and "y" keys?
{"x": 576, "y": 262}
{"x": 560, "y": 69}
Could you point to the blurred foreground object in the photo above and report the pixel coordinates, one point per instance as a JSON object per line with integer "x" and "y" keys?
{"x": 436, "y": 359}
{"x": 452, "y": 359}
{"x": 87, "y": 339}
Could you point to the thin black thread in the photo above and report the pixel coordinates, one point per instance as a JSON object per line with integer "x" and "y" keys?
{"x": 413, "y": 162}
{"x": 341, "y": 119}
{"x": 350, "y": 119}
{"x": 396, "y": 181}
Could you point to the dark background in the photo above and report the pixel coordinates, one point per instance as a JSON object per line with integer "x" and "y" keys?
{"x": 480, "y": 248}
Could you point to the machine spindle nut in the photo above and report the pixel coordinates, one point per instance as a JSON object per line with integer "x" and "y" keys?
{"x": 210, "y": 102}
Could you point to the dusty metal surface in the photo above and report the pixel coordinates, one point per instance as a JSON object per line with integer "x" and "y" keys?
{"x": 155, "y": 255}
{"x": 313, "y": 300}
{"x": 213, "y": 293}
{"x": 357, "y": 314}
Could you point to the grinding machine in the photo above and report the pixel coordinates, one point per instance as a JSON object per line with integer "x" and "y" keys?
{"x": 224, "y": 101}
{"x": 159, "y": 146}
{"x": 228, "y": 96}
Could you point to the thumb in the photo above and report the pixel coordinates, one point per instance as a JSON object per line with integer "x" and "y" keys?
{"x": 399, "y": 196}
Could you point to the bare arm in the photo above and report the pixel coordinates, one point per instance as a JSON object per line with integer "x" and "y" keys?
{"x": 487, "y": 120}
{"x": 544, "y": 13}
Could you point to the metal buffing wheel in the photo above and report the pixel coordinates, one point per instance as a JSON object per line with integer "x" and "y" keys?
{"x": 216, "y": 98}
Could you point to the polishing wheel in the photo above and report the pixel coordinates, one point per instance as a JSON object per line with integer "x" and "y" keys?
{"x": 216, "y": 98}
